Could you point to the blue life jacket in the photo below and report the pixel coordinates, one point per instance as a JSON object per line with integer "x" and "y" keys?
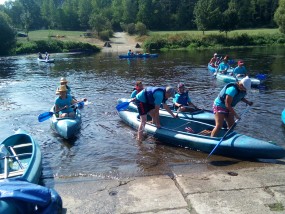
{"x": 238, "y": 97}
{"x": 149, "y": 91}
{"x": 183, "y": 99}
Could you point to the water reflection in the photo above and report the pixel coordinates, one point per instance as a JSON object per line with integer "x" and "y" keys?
{"x": 106, "y": 147}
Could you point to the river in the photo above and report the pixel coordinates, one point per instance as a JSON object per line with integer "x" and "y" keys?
{"x": 106, "y": 147}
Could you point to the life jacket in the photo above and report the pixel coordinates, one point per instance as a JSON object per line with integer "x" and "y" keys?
{"x": 238, "y": 97}
{"x": 149, "y": 91}
{"x": 183, "y": 98}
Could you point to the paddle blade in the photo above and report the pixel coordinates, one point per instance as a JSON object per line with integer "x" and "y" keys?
{"x": 261, "y": 76}
{"x": 44, "y": 116}
{"x": 80, "y": 104}
{"x": 122, "y": 106}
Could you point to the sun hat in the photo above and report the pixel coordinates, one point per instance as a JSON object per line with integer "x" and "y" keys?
{"x": 63, "y": 79}
{"x": 240, "y": 62}
{"x": 246, "y": 82}
{"x": 180, "y": 85}
{"x": 170, "y": 90}
{"x": 61, "y": 88}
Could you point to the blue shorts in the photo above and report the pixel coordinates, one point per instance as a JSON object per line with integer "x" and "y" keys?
{"x": 144, "y": 108}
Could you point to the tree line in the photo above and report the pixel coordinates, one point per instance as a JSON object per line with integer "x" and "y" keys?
{"x": 101, "y": 15}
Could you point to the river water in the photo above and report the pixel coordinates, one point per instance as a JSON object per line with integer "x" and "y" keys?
{"x": 106, "y": 147}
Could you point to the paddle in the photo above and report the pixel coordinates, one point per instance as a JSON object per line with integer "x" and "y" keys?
{"x": 261, "y": 76}
{"x": 46, "y": 115}
{"x": 123, "y": 106}
{"x": 230, "y": 129}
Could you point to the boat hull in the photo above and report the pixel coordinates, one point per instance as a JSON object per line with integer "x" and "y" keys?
{"x": 228, "y": 78}
{"x": 173, "y": 131}
{"x": 126, "y": 56}
{"x": 46, "y": 61}
{"x": 66, "y": 127}
{"x": 205, "y": 116}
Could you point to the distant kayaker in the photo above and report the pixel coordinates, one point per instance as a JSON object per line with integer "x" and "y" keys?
{"x": 228, "y": 97}
{"x": 130, "y": 53}
{"x": 46, "y": 55}
{"x": 40, "y": 55}
{"x": 148, "y": 101}
{"x": 214, "y": 60}
{"x": 224, "y": 66}
{"x": 63, "y": 81}
{"x": 240, "y": 70}
{"x": 182, "y": 101}
{"x": 63, "y": 103}
{"x": 137, "y": 89}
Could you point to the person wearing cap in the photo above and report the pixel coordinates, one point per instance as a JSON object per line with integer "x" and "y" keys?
{"x": 63, "y": 103}
{"x": 214, "y": 60}
{"x": 224, "y": 66}
{"x": 240, "y": 70}
{"x": 64, "y": 82}
{"x": 148, "y": 102}
{"x": 138, "y": 88}
{"x": 228, "y": 97}
{"x": 182, "y": 100}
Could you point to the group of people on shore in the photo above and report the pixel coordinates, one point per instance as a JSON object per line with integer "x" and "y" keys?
{"x": 222, "y": 66}
{"x": 149, "y": 100}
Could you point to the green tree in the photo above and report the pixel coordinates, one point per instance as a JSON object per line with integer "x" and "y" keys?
{"x": 7, "y": 35}
{"x": 99, "y": 23}
{"x": 84, "y": 12}
{"x": 229, "y": 19}
{"x": 141, "y": 29}
{"x": 279, "y": 16}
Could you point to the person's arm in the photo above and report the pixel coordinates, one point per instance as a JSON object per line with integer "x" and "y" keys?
{"x": 166, "y": 107}
{"x": 228, "y": 102}
{"x": 247, "y": 102}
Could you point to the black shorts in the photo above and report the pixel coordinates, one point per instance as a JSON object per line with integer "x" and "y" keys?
{"x": 144, "y": 108}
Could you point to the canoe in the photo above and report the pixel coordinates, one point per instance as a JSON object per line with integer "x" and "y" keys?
{"x": 20, "y": 158}
{"x": 211, "y": 68}
{"x": 195, "y": 135}
{"x": 144, "y": 55}
{"x": 283, "y": 116}
{"x": 202, "y": 115}
{"x": 46, "y": 61}
{"x": 66, "y": 127}
{"x": 228, "y": 78}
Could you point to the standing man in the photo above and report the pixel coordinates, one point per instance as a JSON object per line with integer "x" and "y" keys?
{"x": 148, "y": 102}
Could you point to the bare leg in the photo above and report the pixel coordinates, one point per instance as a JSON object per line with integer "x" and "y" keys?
{"x": 230, "y": 120}
{"x": 141, "y": 127}
{"x": 219, "y": 120}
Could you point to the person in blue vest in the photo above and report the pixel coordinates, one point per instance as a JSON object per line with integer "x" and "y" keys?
{"x": 228, "y": 97}
{"x": 182, "y": 101}
{"x": 148, "y": 101}
{"x": 138, "y": 88}
{"x": 240, "y": 70}
{"x": 63, "y": 103}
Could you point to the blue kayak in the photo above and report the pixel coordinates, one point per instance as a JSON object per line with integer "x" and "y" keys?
{"x": 227, "y": 78}
{"x": 196, "y": 136}
{"x": 144, "y": 55}
{"x": 283, "y": 116}
{"x": 20, "y": 158}
{"x": 66, "y": 127}
{"x": 211, "y": 68}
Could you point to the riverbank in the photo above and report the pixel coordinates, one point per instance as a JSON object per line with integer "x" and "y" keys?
{"x": 257, "y": 190}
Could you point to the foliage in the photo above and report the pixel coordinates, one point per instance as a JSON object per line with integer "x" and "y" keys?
{"x": 7, "y": 35}
{"x": 140, "y": 29}
{"x": 279, "y": 16}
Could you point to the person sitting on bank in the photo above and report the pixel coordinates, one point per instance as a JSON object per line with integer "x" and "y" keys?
{"x": 228, "y": 97}
{"x": 64, "y": 82}
{"x": 137, "y": 89}
{"x": 40, "y": 55}
{"x": 240, "y": 70}
{"x": 214, "y": 60}
{"x": 63, "y": 103}
{"x": 148, "y": 101}
{"x": 223, "y": 67}
{"x": 182, "y": 101}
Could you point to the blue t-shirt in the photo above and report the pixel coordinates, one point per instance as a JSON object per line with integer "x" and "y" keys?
{"x": 158, "y": 97}
{"x": 231, "y": 91}
{"x": 240, "y": 70}
{"x": 223, "y": 66}
{"x": 134, "y": 93}
{"x": 64, "y": 102}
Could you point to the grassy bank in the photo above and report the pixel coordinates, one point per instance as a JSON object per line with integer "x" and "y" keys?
{"x": 213, "y": 39}
{"x": 56, "y": 41}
